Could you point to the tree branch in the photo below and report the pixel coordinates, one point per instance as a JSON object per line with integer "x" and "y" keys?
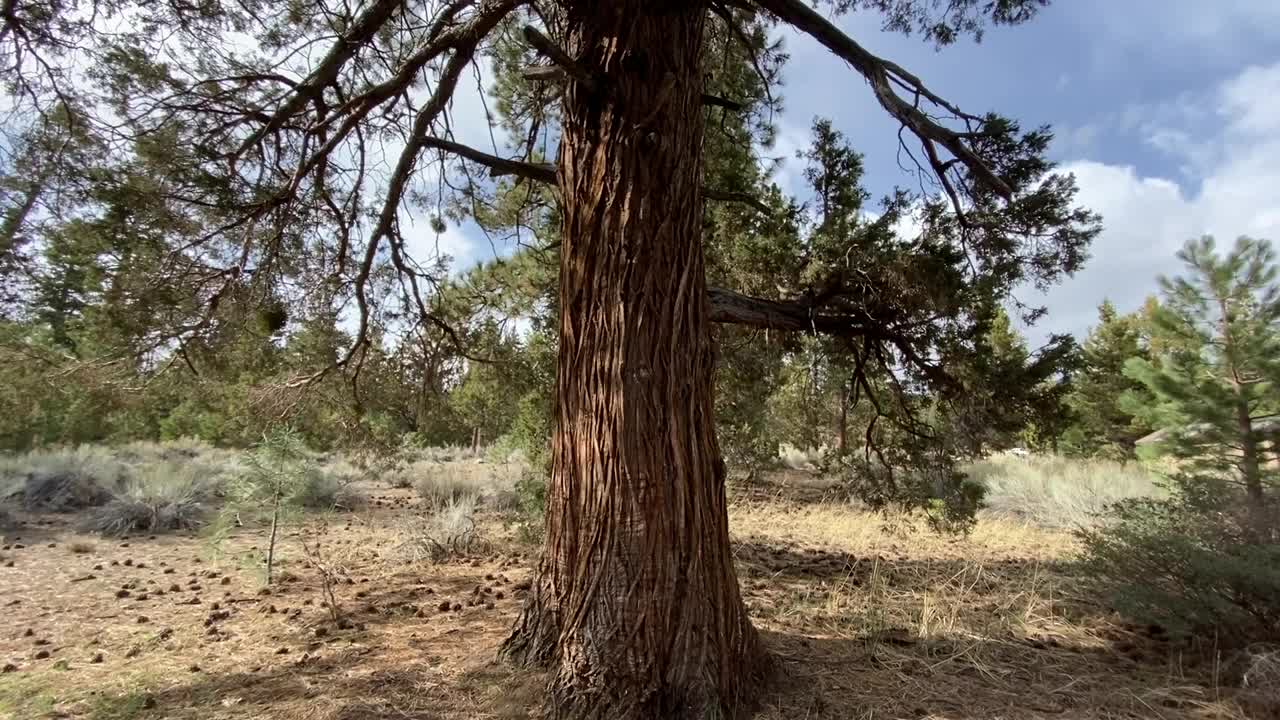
{"x": 732, "y": 308}
{"x": 544, "y": 173}
{"x": 498, "y": 166}
{"x": 559, "y": 57}
{"x": 738, "y": 197}
{"x": 881, "y": 74}
{"x": 725, "y": 103}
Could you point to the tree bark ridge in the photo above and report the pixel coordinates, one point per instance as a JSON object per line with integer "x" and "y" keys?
{"x": 636, "y": 607}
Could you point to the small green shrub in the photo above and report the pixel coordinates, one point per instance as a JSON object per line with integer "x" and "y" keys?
{"x": 167, "y": 496}
{"x": 275, "y": 471}
{"x": 1193, "y": 565}
{"x": 531, "y": 490}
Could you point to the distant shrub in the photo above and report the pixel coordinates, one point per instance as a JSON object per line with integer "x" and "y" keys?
{"x": 440, "y": 488}
{"x": 800, "y": 459}
{"x": 167, "y": 496}
{"x": 447, "y": 531}
{"x": 503, "y": 501}
{"x": 177, "y": 450}
{"x": 449, "y": 453}
{"x": 62, "y": 480}
{"x": 323, "y": 489}
{"x": 6, "y": 518}
{"x": 401, "y": 479}
{"x": 438, "y": 484}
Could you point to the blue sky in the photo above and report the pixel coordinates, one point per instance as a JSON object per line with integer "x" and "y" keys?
{"x": 1167, "y": 112}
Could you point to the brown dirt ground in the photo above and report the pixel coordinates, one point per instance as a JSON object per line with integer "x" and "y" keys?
{"x": 865, "y": 621}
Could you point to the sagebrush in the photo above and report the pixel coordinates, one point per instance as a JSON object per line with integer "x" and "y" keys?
{"x": 62, "y": 480}
{"x": 167, "y": 496}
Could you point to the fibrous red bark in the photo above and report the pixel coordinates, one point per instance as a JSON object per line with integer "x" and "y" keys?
{"x": 636, "y": 608}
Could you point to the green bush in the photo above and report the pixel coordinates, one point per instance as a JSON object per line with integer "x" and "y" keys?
{"x": 531, "y": 489}
{"x": 1191, "y": 563}
{"x": 166, "y": 496}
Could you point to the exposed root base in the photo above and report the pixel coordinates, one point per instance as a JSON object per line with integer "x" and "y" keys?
{"x": 586, "y": 692}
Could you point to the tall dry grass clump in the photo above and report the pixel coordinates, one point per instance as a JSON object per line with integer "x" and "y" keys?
{"x": 1059, "y": 492}
{"x": 442, "y": 533}
{"x": 160, "y": 497}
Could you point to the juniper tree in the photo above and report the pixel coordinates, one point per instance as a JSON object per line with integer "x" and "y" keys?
{"x": 302, "y": 135}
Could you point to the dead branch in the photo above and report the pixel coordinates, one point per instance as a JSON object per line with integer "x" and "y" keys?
{"x": 725, "y": 103}
{"x": 558, "y": 56}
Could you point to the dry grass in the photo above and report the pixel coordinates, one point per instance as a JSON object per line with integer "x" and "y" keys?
{"x": 442, "y": 533}
{"x": 1059, "y": 492}
{"x": 440, "y": 483}
{"x": 61, "y": 480}
{"x": 867, "y": 617}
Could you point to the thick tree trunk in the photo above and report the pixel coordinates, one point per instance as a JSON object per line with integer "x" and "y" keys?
{"x": 636, "y": 608}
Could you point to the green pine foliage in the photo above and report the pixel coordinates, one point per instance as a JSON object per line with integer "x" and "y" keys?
{"x": 1207, "y": 558}
{"x": 1108, "y": 407}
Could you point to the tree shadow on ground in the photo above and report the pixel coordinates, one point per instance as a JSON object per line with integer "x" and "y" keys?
{"x": 354, "y": 683}
{"x": 772, "y": 560}
{"x": 798, "y": 486}
{"x": 948, "y": 676}
{"x": 959, "y": 677}
{"x": 871, "y": 637}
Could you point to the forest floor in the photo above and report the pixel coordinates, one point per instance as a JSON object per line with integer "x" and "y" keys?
{"x": 867, "y": 619}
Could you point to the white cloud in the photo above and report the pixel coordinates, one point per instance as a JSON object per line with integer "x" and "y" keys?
{"x": 789, "y": 173}
{"x": 426, "y": 246}
{"x": 1146, "y": 219}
